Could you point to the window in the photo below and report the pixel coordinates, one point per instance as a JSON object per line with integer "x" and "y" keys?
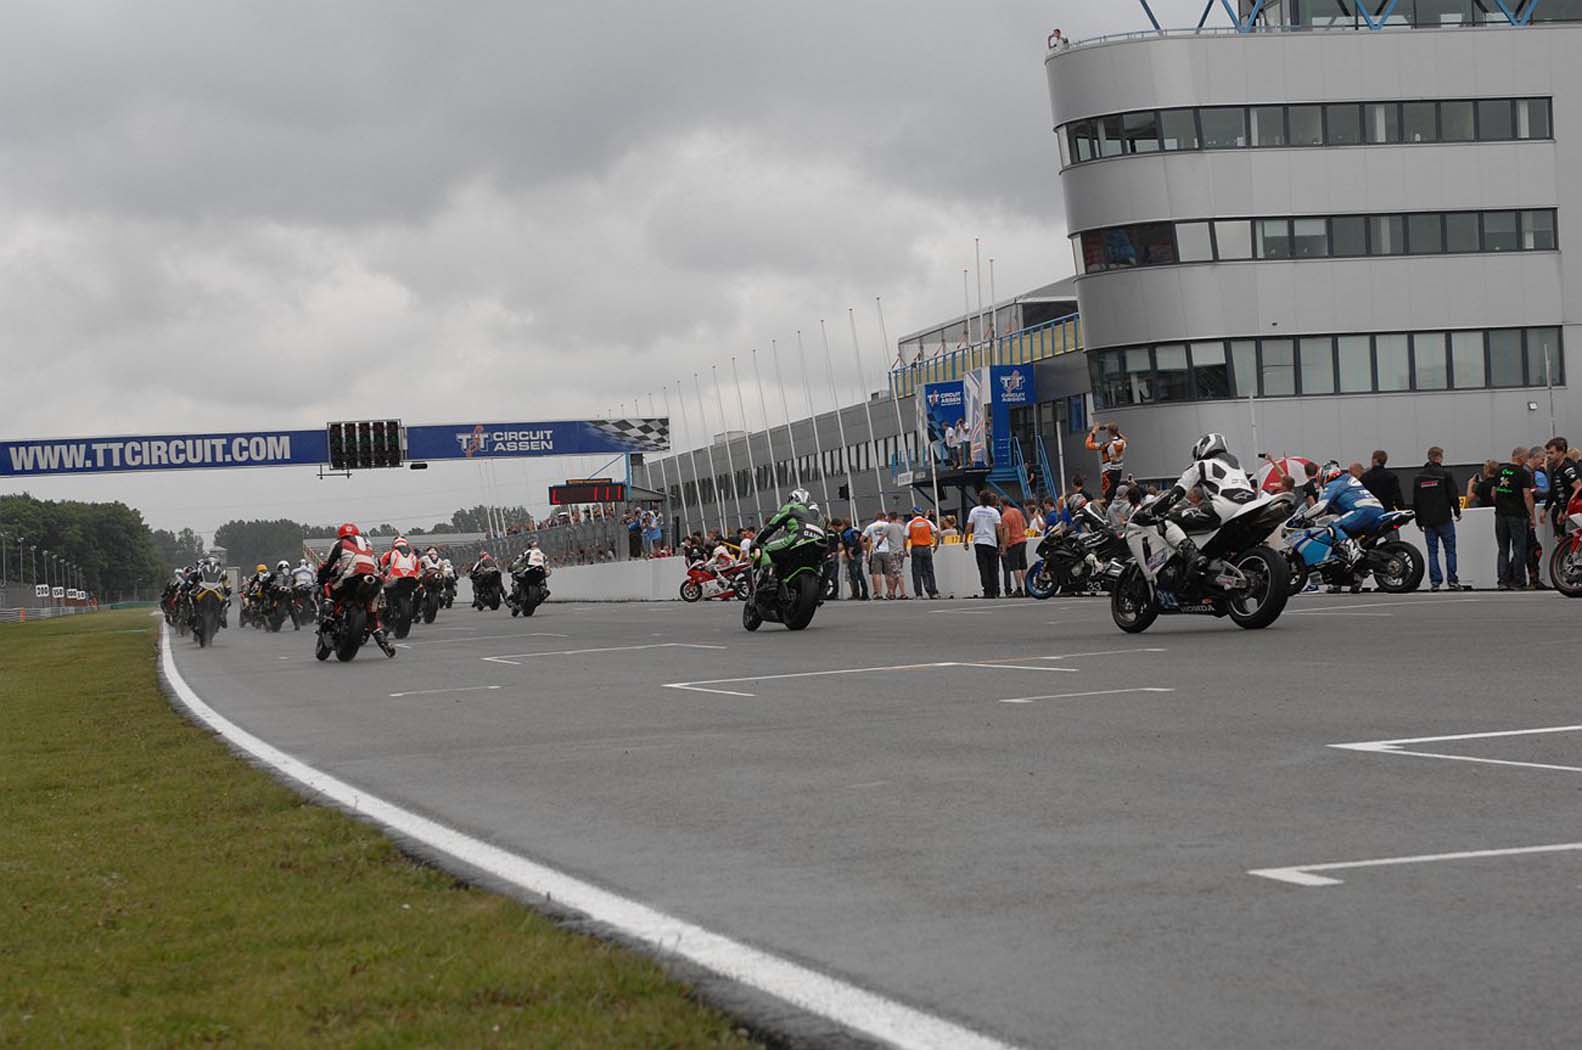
{"x": 1496, "y": 119}
{"x": 1431, "y": 13}
{"x": 1499, "y": 231}
{"x": 1538, "y": 231}
{"x": 1455, "y": 122}
{"x": 1386, "y": 235}
{"x": 1244, "y": 366}
{"x": 1461, "y": 231}
{"x": 1155, "y": 244}
{"x": 1171, "y": 378}
{"x": 1505, "y": 357}
{"x": 1532, "y": 118}
{"x": 1109, "y": 134}
{"x": 1192, "y": 242}
{"x": 1348, "y": 235}
{"x": 1273, "y": 237}
{"x": 1393, "y": 361}
{"x": 1141, "y": 132}
{"x": 1064, "y": 141}
{"x": 1429, "y": 371}
{"x": 1343, "y": 124}
{"x": 1083, "y": 147}
{"x": 1180, "y": 128}
{"x": 1268, "y": 126}
{"x": 1278, "y": 360}
{"x": 1210, "y": 374}
{"x": 1318, "y": 366}
{"x": 1543, "y": 356}
{"x": 1309, "y": 238}
{"x": 1356, "y": 363}
{"x": 1424, "y": 234}
{"x": 1307, "y": 125}
{"x": 1234, "y": 238}
{"x": 1117, "y": 248}
{"x": 1466, "y": 359}
{"x": 1418, "y": 122}
{"x": 1224, "y": 127}
{"x": 1382, "y": 121}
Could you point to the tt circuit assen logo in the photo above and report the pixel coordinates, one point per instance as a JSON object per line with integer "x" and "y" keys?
{"x": 471, "y": 442}
{"x": 481, "y": 441}
{"x": 1013, "y": 387}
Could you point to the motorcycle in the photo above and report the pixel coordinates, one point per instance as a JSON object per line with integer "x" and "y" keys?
{"x": 529, "y": 588}
{"x": 304, "y": 607}
{"x": 785, "y": 586}
{"x": 400, "y": 595}
{"x": 431, "y": 594}
{"x": 1396, "y": 566}
{"x": 277, "y": 606}
{"x": 1565, "y": 561}
{"x": 705, "y": 582}
{"x": 486, "y": 589}
{"x": 1070, "y": 562}
{"x": 345, "y": 625}
{"x": 208, "y": 600}
{"x": 1240, "y": 575}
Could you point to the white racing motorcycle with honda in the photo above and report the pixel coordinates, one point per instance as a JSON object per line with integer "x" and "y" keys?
{"x": 1210, "y": 560}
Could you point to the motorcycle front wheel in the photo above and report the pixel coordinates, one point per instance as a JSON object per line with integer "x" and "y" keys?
{"x": 691, "y": 591}
{"x": 1402, "y": 568}
{"x": 321, "y": 645}
{"x": 1565, "y": 569}
{"x": 751, "y": 620}
{"x": 1040, "y": 583}
{"x": 1269, "y": 577}
{"x": 1132, "y": 603}
{"x": 1299, "y": 572}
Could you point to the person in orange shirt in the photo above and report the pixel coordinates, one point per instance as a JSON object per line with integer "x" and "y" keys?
{"x": 1014, "y": 558}
{"x": 1112, "y": 457}
{"x": 922, "y": 539}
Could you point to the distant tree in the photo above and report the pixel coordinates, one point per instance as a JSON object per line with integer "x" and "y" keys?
{"x": 109, "y": 542}
{"x": 177, "y": 549}
{"x": 249, "y": 543}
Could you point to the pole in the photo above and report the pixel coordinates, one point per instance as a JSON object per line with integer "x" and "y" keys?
{"x": 867, "y": 407}
{"x": 977, "y": 255}
{"x": 994, "y": 315}
{"x": 681, "y": 481}
{"x": 1549, "y": 381}
{"x": 714, "y": 472}
{"x": 966, "y": 309}
{"x": 752, "y": 468}
{"x": 840, "y": 422}
{"x": 730, "y": 458}
{"x": 818, "y": 447}
{"x": 664, "y": 471}
{"x": 1252, "y": 414}
{"x": 785, "y": 406}
{"x": 769, "y": 431}
{"x": 692, "y": 453}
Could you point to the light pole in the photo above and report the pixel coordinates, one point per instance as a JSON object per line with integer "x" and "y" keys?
{"x": 47, "y": 599}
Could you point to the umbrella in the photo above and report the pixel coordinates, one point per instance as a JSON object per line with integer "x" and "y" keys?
{"x": 1272, "y": 472}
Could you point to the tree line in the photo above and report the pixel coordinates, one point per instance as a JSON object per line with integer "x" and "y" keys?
{"x": 257, "y": 542}
{"x": 119, "y": 555}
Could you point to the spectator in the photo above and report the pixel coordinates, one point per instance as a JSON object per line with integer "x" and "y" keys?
{"x": 895, "y": 539}
{"x": 634, "y": 536}
{"x": 922, "y": 539}
{"x": 876, "y": 541}
{"x": 1480, "y": 487}
{"x": 1437, "y": 508}
{"x": 1015, "y": 550}
{"x": 987, "y": 534}
{"x": 950, "y": 534}
{"x": 1118, "y": 509}
{"x": 1537, "y": 466}
{"x": 851, "y": 550}
{"x": 1356, "y": 471}
{"x": 1513, "y": 512}
{"x": 1565, "y": 480}
{"x": 831, "y": 589}
{"x": 1112, "y": 457}
{"x": 1077, "y": 498}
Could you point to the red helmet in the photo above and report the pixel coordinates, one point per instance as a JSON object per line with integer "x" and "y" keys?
{"x": 482, "y": 555}
{"x": 346, "y": 530}
{"x": 399, "y": 543}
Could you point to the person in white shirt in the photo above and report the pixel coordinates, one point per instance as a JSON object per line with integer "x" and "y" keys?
{"x": 876, "y": 541}
{"x": 988, "y": 538}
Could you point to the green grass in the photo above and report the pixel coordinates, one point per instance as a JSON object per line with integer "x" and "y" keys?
{"x": 157, "y": 891}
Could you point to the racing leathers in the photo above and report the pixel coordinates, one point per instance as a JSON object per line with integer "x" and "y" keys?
{"x": 798, "y": 522}
{"x": 399, "y": 564}
{"x": 1226, "y": 490}
{"x": 1359, "y": 511}
{"x": 351, "y": 556}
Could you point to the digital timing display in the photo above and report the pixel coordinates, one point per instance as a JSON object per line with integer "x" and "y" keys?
{"x": 587, "y": 492}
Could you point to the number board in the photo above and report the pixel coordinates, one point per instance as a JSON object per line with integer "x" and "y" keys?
{"x": 587, "y": 492}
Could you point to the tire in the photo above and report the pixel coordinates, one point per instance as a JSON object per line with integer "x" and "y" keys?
{"x": 430, "y": 608}
{"x": 1039, "y": 584}
{"x": 321, "y": 646}
{"x": 805, "y": 602}
{"x": 1299, "y": 573}
{"x": 276, "y": 621}
{"x": 691, "y": 591}
{"x": 494, "y": 601}
{"x": 1562, "y": 559}
{"x": 1132, "y": 607}
{"x": 750, "y": 618}
{"x": 351, "y": 638}
{"x": 208, "y": 624}
{"x": 1271, "y": 566}
{"x": 1410, "y": 576}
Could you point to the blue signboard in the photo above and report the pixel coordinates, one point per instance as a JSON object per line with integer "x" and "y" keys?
{"x": 558, "y": 438}
{"x": 109, "y": 455}
{"x": 1010, "y": 386}
{"x": 945, "y": 418}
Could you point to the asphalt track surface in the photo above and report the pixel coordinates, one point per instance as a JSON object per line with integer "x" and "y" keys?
{"x": 995, "y": 812}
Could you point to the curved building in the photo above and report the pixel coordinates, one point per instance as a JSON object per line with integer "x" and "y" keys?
{"x": 1343, "y": 238}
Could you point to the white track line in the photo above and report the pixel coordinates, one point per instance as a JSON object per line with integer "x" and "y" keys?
{"x": 515, "y": 659}
{"x": 436, "y": 692}
{"x": 1393, "y": 747}
{"x": 806, "y": 989}
{"x": 1019, "y": 667}
{"x": 694, "y": 687}
{"x": 493, "y": 638}
{"x": 1096, "y": 692}
{"x": 1303, "y": 875}
{"x": 1101, "y": 652}
{"x": 1384, "y": 605}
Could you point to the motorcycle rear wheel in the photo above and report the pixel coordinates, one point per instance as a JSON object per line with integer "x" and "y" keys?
{"x": 691, "y": 591}
{"x": 430, "y": 608}
{"x": 1408, "y": 577}
{"x": 1269, "y": 573}
{"x": 1132, "y": 604}
{"x": 353, "y": 621}
{"x": 1565, "y": 569}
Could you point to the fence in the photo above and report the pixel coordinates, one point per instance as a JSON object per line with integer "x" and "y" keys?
{"x": 44, "y": 613}
{"x": 1030, "y": 344}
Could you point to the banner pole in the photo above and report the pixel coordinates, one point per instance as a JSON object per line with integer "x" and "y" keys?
{"x": 769, "y": 430}
{"x": 681, "y": 480}
{"x": 752, "y": 468}
{"x": 664, "y": 471}
{"x": 697, "y": 475}
{"x": 714, "y": 471}
{"x": 812, "y": 418}
{"x": 730, "y": 457}
{"x": 867, "y": 406}
{"x": 840, "y": 422}
{"x": 785, "y": 406}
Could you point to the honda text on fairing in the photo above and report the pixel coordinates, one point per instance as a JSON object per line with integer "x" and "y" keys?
{"x": 1071, "y": 560}
{"x": 1209, "y": 559}
{"x": 1360, "y": 539}
{"x": 529, "y": 581}
{"x": 787, "y": 567}
{"x": 1565, "y": 561}
{"x": 352, "y": 582}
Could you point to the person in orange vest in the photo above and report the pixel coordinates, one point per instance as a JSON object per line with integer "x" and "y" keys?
{"x": 922, "y": 539}
{"x": 1112, "y": 457}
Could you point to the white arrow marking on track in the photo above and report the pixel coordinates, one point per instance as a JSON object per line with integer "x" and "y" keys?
{"x": 459, "y": 689}
{"x": 1096, "y": 692}
{"x": 1303, "y": 875}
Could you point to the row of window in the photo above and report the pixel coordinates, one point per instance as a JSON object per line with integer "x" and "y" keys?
{"x": 1328, "y": 124}
{"x": 1423, "y": 14}
{"x": 1315, "y": 237}
{"x": 832, "y": 463}
{"x": 1315, "y": 365}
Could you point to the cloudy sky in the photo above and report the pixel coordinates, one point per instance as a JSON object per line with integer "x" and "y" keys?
{"x": 260, "y": 215}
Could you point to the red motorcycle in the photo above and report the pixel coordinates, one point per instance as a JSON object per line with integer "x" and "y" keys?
{"x": 1565, "y": 561}
{"x": 706, "y": 581}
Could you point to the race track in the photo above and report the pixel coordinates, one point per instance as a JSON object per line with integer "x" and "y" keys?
{"x": 1012, "y": 815}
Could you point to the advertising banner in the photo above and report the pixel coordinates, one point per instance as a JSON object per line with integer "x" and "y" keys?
{"x": 555, "y": 438}
{"x": 973, "y": 392}
{"x": 945, "y": 418}
{"x": 1010, "y": 386}
{"x": 111, "y": 455}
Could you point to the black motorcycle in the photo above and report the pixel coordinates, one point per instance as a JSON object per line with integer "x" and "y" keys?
{"x": 431, "y": 595}
{"x": 1071, "y": 562}
{"x": 345, "y": 625}
{"x": 277, "y": 605}
{"x": 401, "y": 599}
{"x": 529, "y": 588}
{"x": 785, "y": 586}
{"x": 208, "y": 607}
{"x": 486, "y": 588}
{"x": 304, "y": 605}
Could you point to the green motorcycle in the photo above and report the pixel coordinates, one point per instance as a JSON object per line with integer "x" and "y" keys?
{"x": 785, "y": 583}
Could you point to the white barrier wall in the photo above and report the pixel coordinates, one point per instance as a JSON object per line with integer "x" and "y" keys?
{"x": 656, "y": 579}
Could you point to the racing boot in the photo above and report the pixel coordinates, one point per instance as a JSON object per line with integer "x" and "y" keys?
{"x": 1192, "y": 558}
{"x": 383, "y": 641}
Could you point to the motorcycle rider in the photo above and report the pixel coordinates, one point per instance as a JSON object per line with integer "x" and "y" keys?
{"x": 1358, "y": 509}
{"x": 799, "y": 520}
{"x": 484, "y": 563}
{"x": 303, "y": 575}
{"x": 532, "y": 558}
{"x": 351, "y": 556}
{"x": 399, "y": 562}
{"x": 1225, "y": 489}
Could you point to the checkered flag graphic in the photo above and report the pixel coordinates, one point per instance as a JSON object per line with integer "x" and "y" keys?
{"x": 635, "y": 435}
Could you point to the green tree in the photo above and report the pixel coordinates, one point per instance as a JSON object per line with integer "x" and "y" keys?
{"x": 109, "y": 543}
{"x": 249, "y": 543}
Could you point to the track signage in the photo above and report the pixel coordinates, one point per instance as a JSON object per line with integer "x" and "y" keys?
{"x": 558, "y": 438}
{"x": 587, "y": 492}
{"x": 269, "y": 448}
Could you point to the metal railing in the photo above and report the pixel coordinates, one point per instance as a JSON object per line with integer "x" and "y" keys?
{"x": 1029, "y": 344}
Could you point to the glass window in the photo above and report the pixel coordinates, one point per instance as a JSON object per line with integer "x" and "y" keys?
{"x": 1343, "y": 124}
{"x": 1543, "y": 355}
{"x": 1382, "y": 121}
{"x": 1109, "y": 132}
{"x": 1538, "y": 231}
{"x": 1268, "y": 125}
{"x": 1386, "y": 235}
{"x": 1192, "y": 242}
{"x": 1170, "y": 373}
{"x": 1432, "y": 13}
{"x": 1274, "y": 238}
{"x": 1424, "y": 235}
{"x": 1393, "y": 361}
{"x": 1278, "y": 367}
{"x": 1495, "y": 120}
{"x": 1093, "y": 254}
{"x": 1156, "y": 244}
{"x": 1348, "y": 235}
{"x": 1120, "y": 250}
{"x": 1210, "y": 374}
{"x": 1461, "y": 231}
{"x": 1244, "y": 366}
{"x": 1307, "y": 125}
{"x": 1356, "y": 364}
{"x": 1505, "y": 357}
{"x": 1466, "y": 359}
{"x": 1064, "y": 141}
{"x": 1082, "y": 143}
{"x": 1418, "y": 122}
{"x": 1139, "y": 376}
{"x": 1318, "y": 366}
{"x": 1455, "y": 121}
{"x": 1429, "y": 370}
{"x": 1233, "y": 237}
{"x": 1180, "y": 129}
{"x": 1532, "y": 118}
{"x": 1309, "y": 238}
{"x": 1224, "y": 127}
{"x": 1141, "y": 131}
{"x": 1499, "y": 231}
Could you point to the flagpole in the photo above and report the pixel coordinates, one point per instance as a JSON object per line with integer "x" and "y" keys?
{"x": 714, "y": 471}
{"x": 812, "y": 418}
{"x": 785, "y": 406}
{"x": 994, "y": 316}
{"x": 730, "y": 457}
{"x": 769, "y": 430}
{"x": 664, "y": 471}
{"x": 845, "y": 450}
{"x": 895, "y": 398}
{"x": 752, "y": 468}
{"x": 977, "y": 255}
{"x": 697, "y": 476}
{"x": 867, "y": 406}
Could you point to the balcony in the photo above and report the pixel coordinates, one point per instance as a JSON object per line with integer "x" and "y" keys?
{"x": 1037, "y": 343}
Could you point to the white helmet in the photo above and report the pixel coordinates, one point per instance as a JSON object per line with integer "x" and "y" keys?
{"x": 802, "y": 496}
{"x": 1209, "y": 446}
{"x": 283, "y": 565}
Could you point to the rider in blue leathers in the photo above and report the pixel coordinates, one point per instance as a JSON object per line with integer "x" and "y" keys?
{"x": 1358, "y": 509}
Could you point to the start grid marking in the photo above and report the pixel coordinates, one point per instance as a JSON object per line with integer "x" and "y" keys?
{"x": 707, "y": 685}
{"x": 1397, "y": 747}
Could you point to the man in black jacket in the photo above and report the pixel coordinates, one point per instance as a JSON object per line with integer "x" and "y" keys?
{"x": 1384, "y": 485}
{"x": 1436, "y": 502}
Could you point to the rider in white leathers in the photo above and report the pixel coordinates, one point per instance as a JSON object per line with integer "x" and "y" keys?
{"x": 1226, "y": 492}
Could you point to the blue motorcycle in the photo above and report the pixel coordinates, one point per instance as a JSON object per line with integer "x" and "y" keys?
{"x": 1395, "y": 565}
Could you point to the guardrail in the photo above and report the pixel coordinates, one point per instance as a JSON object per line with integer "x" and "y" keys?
{"x": 1037, "y": 343}
{"x": 1195, "y": 31}
{"x": 24, "y": 615}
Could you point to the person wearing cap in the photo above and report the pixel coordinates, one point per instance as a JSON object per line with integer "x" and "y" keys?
{"x": 922, "y": 539}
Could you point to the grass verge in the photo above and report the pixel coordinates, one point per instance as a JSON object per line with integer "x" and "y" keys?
{"x": 157, "y": 891}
